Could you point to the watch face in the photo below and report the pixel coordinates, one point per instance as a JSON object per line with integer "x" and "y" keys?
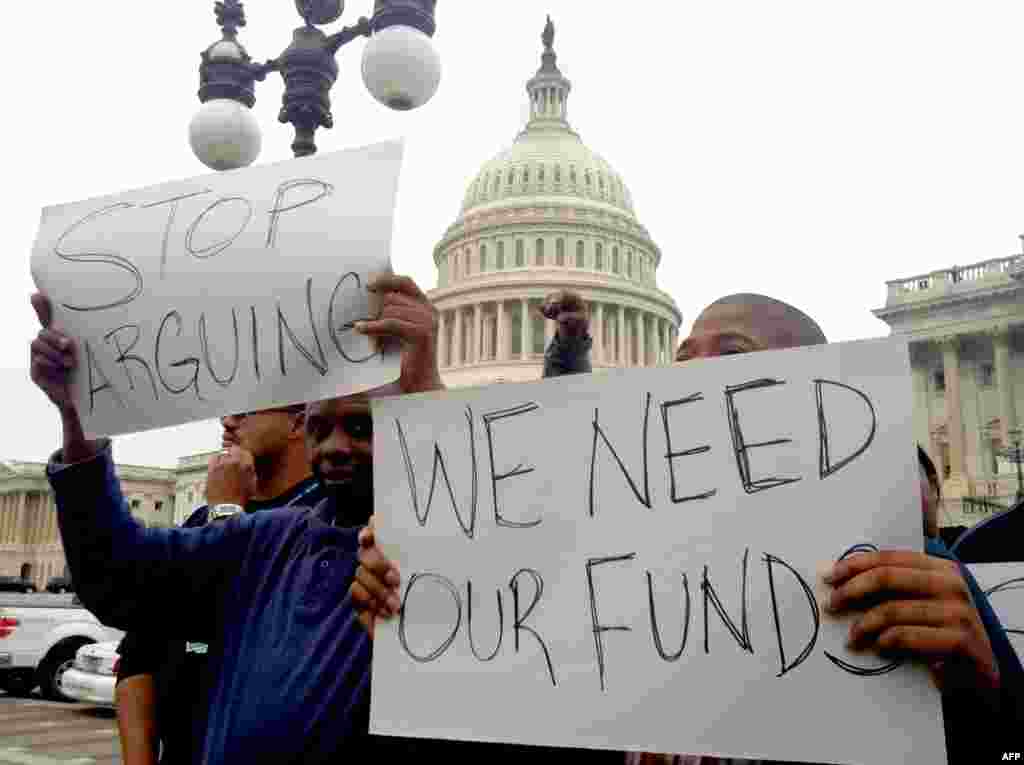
{"x": 219, "y": 512}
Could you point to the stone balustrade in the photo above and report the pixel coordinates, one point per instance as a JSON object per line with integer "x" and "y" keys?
{"x": 954, "y": 278}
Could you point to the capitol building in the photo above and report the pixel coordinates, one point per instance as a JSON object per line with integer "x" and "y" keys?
{"x": 547, "y": 214}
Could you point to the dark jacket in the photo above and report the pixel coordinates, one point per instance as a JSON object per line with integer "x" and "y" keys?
{"x": 289, "y": 662}
{"x": 180, "y": 668}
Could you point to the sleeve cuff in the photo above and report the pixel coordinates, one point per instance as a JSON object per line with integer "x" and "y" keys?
{"x": 56, "y": 462}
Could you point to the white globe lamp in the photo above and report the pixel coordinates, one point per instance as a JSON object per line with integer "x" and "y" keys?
{"x": 401, "y": 67}
{"x": 225, "y": 135}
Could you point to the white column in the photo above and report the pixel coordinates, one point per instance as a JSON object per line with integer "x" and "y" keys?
{"x": 478, "y": 334}
{"x": 597, "y": 332}
{"x": 524, "y": 329}
{"x": 1004, "y": 383}
{"x": 502, "y": 319}
{"x": 444, "y": 351}
{"x": 642, "y": 339}
{"x": 954, "y": 418}
{"x": 920, "y": 372}
{"x": 620, "y": 340}
{"x": 457, "y": 340}
{"x": 21, "y": 519}
{"x": 490, "y": 337}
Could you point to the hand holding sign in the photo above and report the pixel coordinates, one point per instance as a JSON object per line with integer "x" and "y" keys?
{"x": 374, "y": 588}
{"x": 408, "y": 315}
{"x": 53, "y": 357}
{"x": 920, "y": 606}
{"x": 54, "y": 360}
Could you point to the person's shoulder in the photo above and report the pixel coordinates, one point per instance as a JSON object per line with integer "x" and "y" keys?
{"x": 281, "y": 518}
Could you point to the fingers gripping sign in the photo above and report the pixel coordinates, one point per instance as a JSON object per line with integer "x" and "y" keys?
{"x": 53, "y": 357}
{"x": 407, "y": 315}
{"x": 915, "y": 605}
{"x": 375, "y": 586}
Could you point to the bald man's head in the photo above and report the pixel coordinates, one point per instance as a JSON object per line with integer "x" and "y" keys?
{"x": 745, "y": 323}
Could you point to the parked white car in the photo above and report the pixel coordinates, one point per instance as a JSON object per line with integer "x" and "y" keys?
{"x": 92, "y": 674}
{"x": 40, "y": 634}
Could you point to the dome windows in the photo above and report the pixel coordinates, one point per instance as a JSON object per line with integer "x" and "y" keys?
{"x": 540, "y": 174}
{"x": 572, "y": 175}
{"x": 558, "y": 174}
{"x": 511, "y": 176}
{"x": 580, "y": 257}
{"x": 499, "y": 264}
{"x": 520, "y": 257}
{"x": 483, "y": 258}
{"x": 539, "y": 253}
{"x": 599, "y": 257}
{"x": 615, "y": 260}
{"x": 560, "y": 250}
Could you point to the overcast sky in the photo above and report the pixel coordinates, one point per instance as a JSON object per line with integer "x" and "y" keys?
{"x": 803, "y": 149}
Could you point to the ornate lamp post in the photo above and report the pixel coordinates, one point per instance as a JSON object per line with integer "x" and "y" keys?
{"x": 1014, "y": 454}
{"x": 401, "y": 69}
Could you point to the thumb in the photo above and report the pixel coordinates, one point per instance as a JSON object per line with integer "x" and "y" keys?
{"x": 41, "y": 304}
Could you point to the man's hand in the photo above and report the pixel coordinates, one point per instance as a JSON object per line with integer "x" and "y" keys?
{"x": 570, "y": 312}
{"x": 407, "y": 314}
{"x": 53, "y": 358}
{"x": 374, "y": 589}
{"x": 52, "y": 361}
{"x": 918, "y": 605}
{"x": 230, "y": 478}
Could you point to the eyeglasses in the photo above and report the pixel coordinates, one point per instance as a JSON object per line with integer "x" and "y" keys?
{"x": 293, "y": 409}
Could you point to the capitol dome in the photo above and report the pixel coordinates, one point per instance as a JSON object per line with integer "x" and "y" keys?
{"x": 546, "y": 214}
{"x": 553, "y": 163}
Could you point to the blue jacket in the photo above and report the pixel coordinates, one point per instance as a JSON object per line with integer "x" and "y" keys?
{"x": 980, "y": 729}
{"x": 179, "y": 668}
{"x": 289, "y": 662}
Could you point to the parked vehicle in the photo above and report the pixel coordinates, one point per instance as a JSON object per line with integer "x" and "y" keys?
{"x": 59, "y": 585}
{"x": 16, "y": 584}
{"x": 40, "y": 635}
{"x": 92, "y": 675}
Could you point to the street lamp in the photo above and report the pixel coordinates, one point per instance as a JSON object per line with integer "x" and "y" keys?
{"x": 1014, "y": 455}
{"x": 401, "y": 69}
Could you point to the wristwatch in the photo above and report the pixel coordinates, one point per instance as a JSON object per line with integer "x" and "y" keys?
{"x": 223, "y": 510}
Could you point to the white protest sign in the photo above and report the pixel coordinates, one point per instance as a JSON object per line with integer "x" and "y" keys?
{"x": 1003, "y": 583}
{"x": 222, "y": 293}
{"x": 632, "y": 556}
